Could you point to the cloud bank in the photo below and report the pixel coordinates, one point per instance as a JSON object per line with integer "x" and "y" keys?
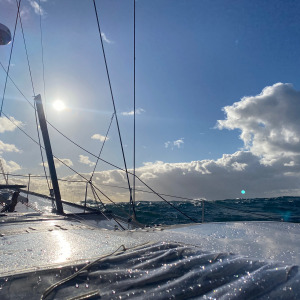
{"x": 267, "y": 166}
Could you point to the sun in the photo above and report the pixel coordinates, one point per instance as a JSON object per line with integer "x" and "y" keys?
{"x": 59, "y": 105}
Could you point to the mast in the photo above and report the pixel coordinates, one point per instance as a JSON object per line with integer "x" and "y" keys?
{"x": 44, "y": 129}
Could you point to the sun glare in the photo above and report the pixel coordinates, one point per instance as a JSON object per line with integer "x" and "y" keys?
{"x": 59, "y": 105}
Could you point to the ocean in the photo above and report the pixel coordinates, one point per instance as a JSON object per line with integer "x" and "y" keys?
{"x": 285, "y": 209}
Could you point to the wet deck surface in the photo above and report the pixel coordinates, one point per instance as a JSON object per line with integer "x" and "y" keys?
{"x": 30, "y": 239}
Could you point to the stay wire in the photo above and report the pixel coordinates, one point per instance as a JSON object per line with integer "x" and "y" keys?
{"x": 10, "y": 56}
{"x": 36, "y": 118}
{"x": 112, "y": 117}
{"x": 114, "y": 106}
{"x": 27, "y": 56}
{"x": 16, "y": 86}
{"x": 97, "y": 196}
{"x": 134, "y": 130}
{"x": 42, "y": 50}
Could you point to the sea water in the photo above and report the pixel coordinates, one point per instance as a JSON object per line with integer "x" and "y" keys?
{"x": 285, "y": 209}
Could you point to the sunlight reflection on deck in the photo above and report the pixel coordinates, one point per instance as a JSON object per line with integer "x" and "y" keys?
{"x": 63, "y": 247}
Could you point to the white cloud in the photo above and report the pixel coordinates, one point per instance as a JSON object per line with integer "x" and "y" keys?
{"x": 37, "y": 8}
{"x": 269, "y": 122}
{"x": 105, "y": 39}
{"x": 25, "y": 13}
{"x": 178, "y": 143}
{"x": 58, "y": 163}
{"x": 99, "y": 137}
{"x": 85, "y": 160}
{"x": 8, "y": 148}
{"x": 10, "y": 166}
{"x": 6, "y": 125}
{"x": 130, "y": 113}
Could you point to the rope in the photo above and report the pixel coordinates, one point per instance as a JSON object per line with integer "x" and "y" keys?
{"x": 114, "y": 106}
{"x": 88, "y": 266}
{"x": 10, "y": 55}
{"x": 54, "y": 286}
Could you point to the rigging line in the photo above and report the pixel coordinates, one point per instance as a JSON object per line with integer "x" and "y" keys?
{"x": 42, "y": 49}
{"x": 97, "y": 196}
{"x": 61, "y": 160}
{"x": 95, "y": 193}
{"x": 27, "y": 56}
{"x": 114, "y": 106}
{"x": 110, "y": 200}
{"x": 57, "y": 130}
{"x": 99, "y": 209}
{"x": 112, "y": 117}
{"x": 16, "y": 85}
{"x": 10, "y": 55}
{"x": 86, "y": 267}
{"x": 195, "y": 221}
{"x": 36, "y": 119}
{"x": 134, "y": 131}
{"x": 109, "y": 164}
{"x": 109, "y": 185}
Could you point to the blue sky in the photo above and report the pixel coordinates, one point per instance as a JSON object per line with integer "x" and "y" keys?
{"x": 193, "y": 58}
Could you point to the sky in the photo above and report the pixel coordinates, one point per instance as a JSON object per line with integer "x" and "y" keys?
{"x": 217, "y": 94}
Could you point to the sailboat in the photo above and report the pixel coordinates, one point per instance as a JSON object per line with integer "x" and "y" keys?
{"x": 61, "y": 250}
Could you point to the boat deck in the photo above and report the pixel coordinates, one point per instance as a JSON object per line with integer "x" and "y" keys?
{"x": 34, "y": 241}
